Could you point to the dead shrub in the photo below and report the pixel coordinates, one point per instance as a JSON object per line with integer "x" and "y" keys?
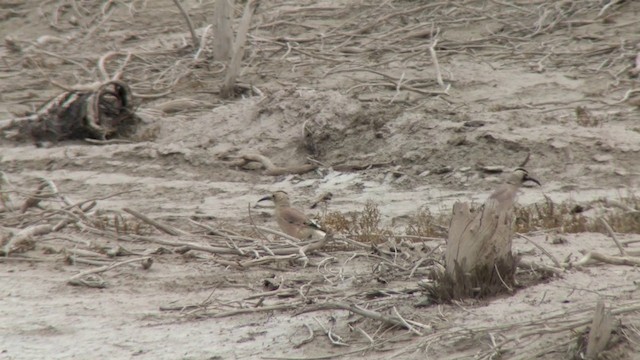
{"x": 425, "y": 224}
{"x": 482, "y": 282}
{"x": 549, "y": 215}
{"x": 569, "y": 217}
{"x": 121, "y": 225}
{"x": 585, "y": 118}
{"x": 363, "y": 226}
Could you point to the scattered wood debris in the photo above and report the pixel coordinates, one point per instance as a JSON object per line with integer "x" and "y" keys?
{"x": 103, "y": 113}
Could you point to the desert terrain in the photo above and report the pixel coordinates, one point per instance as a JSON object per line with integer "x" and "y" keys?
{"x": 404, "y": 108}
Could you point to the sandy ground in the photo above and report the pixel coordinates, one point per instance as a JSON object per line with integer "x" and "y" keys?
{"x": 515, "y": 77}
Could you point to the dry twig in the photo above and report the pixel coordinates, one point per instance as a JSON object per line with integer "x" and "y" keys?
{"x": 88, "y": 278}
{"x": 194, "y": 37}
{"x": 613, "y": 236}
{"x": 235, "y": 63}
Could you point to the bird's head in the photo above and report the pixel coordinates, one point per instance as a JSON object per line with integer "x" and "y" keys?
{"x": 279, "y": 198}
{"x": 520, "y": 176}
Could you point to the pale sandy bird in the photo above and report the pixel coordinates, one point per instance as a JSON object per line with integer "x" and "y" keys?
{"x": 504, "y": 196}
{"x": 292, "y": 221}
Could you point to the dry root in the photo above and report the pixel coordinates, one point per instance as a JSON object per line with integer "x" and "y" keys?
{"x": 78, "y": 114}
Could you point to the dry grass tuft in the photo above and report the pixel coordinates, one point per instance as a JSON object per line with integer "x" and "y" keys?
{"x": 565, "y": 217}
{"x": 120, "y": 224}
{"x": 585, "y": 118}
{"x": 481, "y": 282}
{"x": 569, "y": 217}
{"x": 425, "y": 224}
{"x": 549, "y": 215}
{"x": 363, "y": 226}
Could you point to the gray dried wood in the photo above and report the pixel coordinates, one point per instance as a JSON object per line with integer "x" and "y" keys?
{"x": 480, "y": 238}
{"x": 600, "y": 332}
{"x": 223, "y": 35}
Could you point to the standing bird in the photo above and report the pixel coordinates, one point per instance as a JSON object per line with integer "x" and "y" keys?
{"x": 504, "y": 196}
{"x": 292, "y": 221}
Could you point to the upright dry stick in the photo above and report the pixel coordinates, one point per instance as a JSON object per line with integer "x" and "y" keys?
{"x": 600, "y": 333}
{"x": 613, "y": 236}
{"x": 194, "y": 37}
{"x": 238, "y": 50}
{"x": 223, "y": 33}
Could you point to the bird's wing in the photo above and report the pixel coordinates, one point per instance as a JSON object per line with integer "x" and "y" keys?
{"x": 313, "y": 224}
{"x": 297, "y": 217}
{"x": 503, "y": 197}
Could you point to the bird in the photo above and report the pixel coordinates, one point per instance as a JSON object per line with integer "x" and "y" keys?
{"x": 292, "y": 221}
{"x": 504, "y": 196}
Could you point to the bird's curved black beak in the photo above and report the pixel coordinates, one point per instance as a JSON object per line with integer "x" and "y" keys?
{"x": 268, "y": 197}
{"x": 532, "y": 179}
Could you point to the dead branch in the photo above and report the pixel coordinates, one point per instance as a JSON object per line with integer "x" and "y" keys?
{"x": 86, "y": 278}
{"x": 162, "y": 227}
{"x": 104, "y": 112}
{"x": 391, "y": 320}
{"x": 190, "y": 245}
{"x": 5, "y": 198}
{"x": 287, "y": 306}
{"x": 291, "y": 240}
{"x": 74, "y": 260}
{"x": 194, "y": 37}
{"x": 360, "y": 166}
{"x": 272, "y": 170}
{"x": 600, "y": 332}
{"x": 434, "y": 57}
{"x": 223, "y": 36}
{"x": 307, "y": 340}
{"x": 613, "y": 236}
{"x": 35, "y": 198}
{"x": 25, "y": 235}
{"x": 529, "y": 265}
{"x": 227, "y": 89}
{"x": 203, "y": 42}
{"x": 335, "y": 339}
{"x": 24, "y": 259}
{"x": 259, "y": 261}
{"x": 549, "y": 255}
{"x": 253, "y": 250}
{"x": 593, "y": 257}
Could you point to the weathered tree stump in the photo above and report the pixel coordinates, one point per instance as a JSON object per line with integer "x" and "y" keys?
{"x": 478, "y": 259}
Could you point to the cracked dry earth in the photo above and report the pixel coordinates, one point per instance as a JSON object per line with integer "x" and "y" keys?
{"x": 543, "y": 77}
